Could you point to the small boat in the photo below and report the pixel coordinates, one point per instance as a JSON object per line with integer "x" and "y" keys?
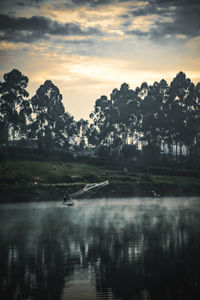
{"x": 69, "y": 203}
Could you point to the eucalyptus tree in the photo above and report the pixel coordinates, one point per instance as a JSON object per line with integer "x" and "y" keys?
{"x": 125, "y": 102}
{"x": 149, "y": 117}
{"x": 154, "y": 118}
{"x": 179, "y": 109}
{"x": 15, "y": 110}
{"x": 3, "y": 131}
{"x": 106, "y": 117}
{"x": 92, "y": 135}
{"x": 162, "y": 95}
{"x": 101, "y": 123}
{"x": 134, "y": 118}
{"x": 191, "y": 112}
{"x": 82, "y": 127}
{"x": 66, "y": 131}
{"x": 157, "y": 114}
{"x": 196, "y": 123}
{"x": 141, "y": 92}
{"x": 47, "y": 108}
{"x": 117, "y": 119}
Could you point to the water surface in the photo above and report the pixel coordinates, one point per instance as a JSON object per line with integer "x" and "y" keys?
{"x": 139, "y": 248}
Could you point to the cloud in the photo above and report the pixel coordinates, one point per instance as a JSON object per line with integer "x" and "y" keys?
{"x": 155, "y": 19}
{"x": 185, "y": 22}
{"x": 173, "y": 18}
{"x": 89, "y": 47}
{"x": 37, "y": 27}
{"x": 95, "y": 3}
{"x": 20, "y": 3}
{"x": 137, "y": 33}
{"x": 91, "y": 3}
{"x": 12, "y": 5}
{"x": 175, "y": 2}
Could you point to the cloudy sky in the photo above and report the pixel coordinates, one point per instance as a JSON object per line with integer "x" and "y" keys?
{"x": 89, "y": 47}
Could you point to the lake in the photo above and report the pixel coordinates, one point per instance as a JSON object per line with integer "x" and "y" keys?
{"x": 131, "y": 248}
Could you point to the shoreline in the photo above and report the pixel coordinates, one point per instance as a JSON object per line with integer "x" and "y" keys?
{"x": 27, "y": 180}
{"x": 51, "y": 192}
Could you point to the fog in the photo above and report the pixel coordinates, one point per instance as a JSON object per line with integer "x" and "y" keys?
{"x": 110, "y": 248}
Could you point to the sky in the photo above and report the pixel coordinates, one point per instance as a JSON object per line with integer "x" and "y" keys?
{"x": 89, "y": 47}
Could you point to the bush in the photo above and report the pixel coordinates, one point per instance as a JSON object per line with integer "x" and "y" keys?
{"x": 103, "y": 152}
{"x": 151, "y": 153}
{"x": 146, "y": 177}
{"x": 90, "y": 178}
{"x": 129, "y": 151}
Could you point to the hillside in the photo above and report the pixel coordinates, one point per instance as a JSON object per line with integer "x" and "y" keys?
{"x": 55, "y": 177}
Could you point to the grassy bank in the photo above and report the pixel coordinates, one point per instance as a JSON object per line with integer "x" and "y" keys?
{"x": 42, "y": 177}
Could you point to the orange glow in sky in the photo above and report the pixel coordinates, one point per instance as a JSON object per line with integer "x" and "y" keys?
{"x": 88, "y": 48}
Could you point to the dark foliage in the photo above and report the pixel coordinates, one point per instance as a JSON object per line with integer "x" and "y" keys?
{"x": 163, "y": 120}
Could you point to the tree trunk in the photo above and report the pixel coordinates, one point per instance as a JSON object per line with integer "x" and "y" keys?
{"x": 180, "y": 151}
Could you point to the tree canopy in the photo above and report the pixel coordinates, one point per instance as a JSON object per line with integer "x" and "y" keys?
{"x": 153, "y": 117}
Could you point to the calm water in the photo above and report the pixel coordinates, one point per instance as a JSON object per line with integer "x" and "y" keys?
{"x": 101, "y": 249}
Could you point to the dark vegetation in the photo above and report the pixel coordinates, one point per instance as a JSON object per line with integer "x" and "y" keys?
{"x": 140, "y": 140}
{"x": 48, "y": 180}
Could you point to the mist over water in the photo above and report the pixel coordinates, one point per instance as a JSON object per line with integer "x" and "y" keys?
{"x": 141, "y": 248}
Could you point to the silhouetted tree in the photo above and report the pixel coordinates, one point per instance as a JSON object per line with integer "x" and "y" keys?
{"x": 126, "y": 104}
{"x": 178, "y": 109}
{"x": 117, "y": 119}
{"x": 153, "y": 115}
{"x": 156, "y": 115}
{"x": 92, "y": 135}
{"x": 195, "y": 124}
{"x": 48, "y": 108}
{"x": 101, "y": 119}
{"x": 14, "y": 109}
{"x": 82, "y": 127}
{"x": 66, "y": 131}
{"x": 154, "y": 118}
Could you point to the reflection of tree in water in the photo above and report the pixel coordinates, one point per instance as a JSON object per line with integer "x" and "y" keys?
{"x": 145, "y": 252}
{"x": 154, "y": 258}
{"x": 35, "y": 255}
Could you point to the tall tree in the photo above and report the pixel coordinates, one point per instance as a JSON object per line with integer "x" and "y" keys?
{"x": 14, "y": 108}
{"x": 66, "y": 131}
{"x": 93, "y": 135}
{"x": 101, "y": 120}
{"x": 154, "y": 124}
{"x": 82, "y": 126}
{"x": 178, "y": 106}
{"x": 125, "y": 103}
{"x": 48, "y": 108}
{"x": 117, "y": 119}
{"x": 196, "y": 123}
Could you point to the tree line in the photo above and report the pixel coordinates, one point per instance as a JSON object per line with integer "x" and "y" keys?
{"x": 154, "y": 118}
